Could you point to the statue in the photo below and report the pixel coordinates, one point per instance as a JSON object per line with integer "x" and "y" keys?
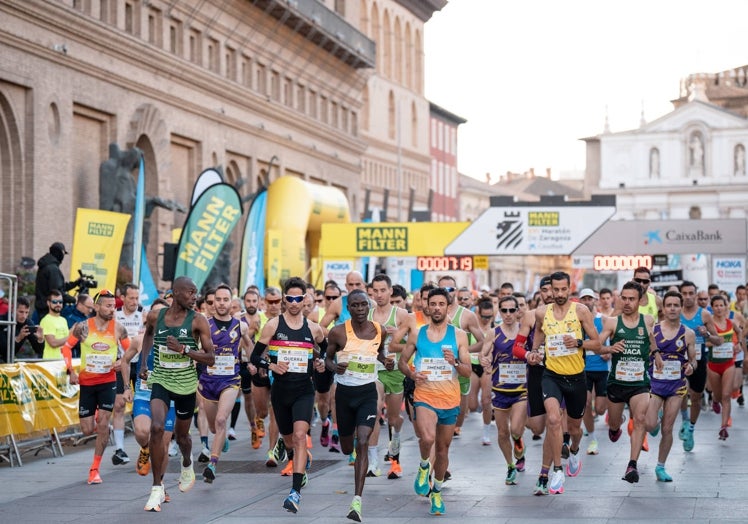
{"x": 697, "y": 152}
{"x": 654, "y": 163}
{"x": 222, "y": 269}
{"x": 739, "y": 160}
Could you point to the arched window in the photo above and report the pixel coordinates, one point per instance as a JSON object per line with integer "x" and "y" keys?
{"x": 654, "y": 163}
{"x": 413, "y": 125}
{"x": 375, "y": 32}
{"x": 387, "y": 45}
{"x": 408, "y": 51}
{"x": 392, "y": 117}
{"x": 398, "y": 52}
{"x": 418, "y": 72}
{"x": 364, "y": 18}
{"x": 365, "y": 109}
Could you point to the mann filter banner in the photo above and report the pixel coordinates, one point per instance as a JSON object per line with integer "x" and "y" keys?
{"x": 97, "y": 245}
{"x": 207, "y": 178}
{"x": 207, "y": 228}
{"x": 252, "y": 267}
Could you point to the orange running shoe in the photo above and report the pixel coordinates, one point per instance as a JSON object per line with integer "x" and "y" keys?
{"x": 260, "y": 423}
{"x": 288, "y": 470}
{"x": 735, "y": 394}
{"x": 143, "y": 465}
{"x": 645, "y": 444}
{"x": 93, "y": 476}
{"x": 396, "y": 471}
{"x": 256, "y": 440}
{"x": 308, "y": 442}
{"x": 631, "y": 426}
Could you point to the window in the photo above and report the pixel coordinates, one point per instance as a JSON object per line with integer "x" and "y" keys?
{"x": 340, "y": 7}
{"x": 214, "y": 62}
{"x": 231, "y": 64}
{"x": 154, "y": 27}
{"x": 391, "y": 117}
{"x": 129, "y": 18}
{"x": 301, "y": 98}
{"x": 246, "y": 71}
{"x": 288, "y": 92}
{"x": 196, "y": 50}
{"x": 413, "y": 125}
{"x": 334, "y": 118}
{"x": 312, "y": 103}
{"x": 323, "y": 109}
{"x": 175, "y": 37}
{"x": 261, "y": 83}
{"x": 275, "y": 85}
{"x": 344, "y": 115}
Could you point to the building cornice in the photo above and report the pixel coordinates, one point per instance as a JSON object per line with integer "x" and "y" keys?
{"x": 446, "y": 115}
{"x": 423, "y": 9}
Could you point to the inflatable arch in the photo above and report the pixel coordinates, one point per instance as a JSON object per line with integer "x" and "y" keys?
{"x": 296, "y": 210}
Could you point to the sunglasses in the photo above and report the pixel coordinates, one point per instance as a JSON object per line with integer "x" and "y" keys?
{"x": 272, "y": 302}
{"x": 104, "y": 293}
{"x": 449, "y": 289}
{"x": 319, "y": 300}
{"x": 294, "y": 298}
{"x": 209, "y": 302}
{"x": 487, "y": 317}
{"x": 328, "y": 297}
{"x": 55, "y": 301}
{"x": 508, "y": 310}
{"x": 642, "y": 280}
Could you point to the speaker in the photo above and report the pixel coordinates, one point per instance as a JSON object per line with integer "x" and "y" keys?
{"x": 170, "y": 261}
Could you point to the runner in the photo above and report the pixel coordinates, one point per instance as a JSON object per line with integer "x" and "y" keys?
{"x": 631, "y": 341}
{"x": 440, "y": 354}
{"x": 290, "y": 339}
{"x": 98, "y": 337}
{"x": 179, "y": 337}
{"x": 480, "y": 380}
{"x": 675, "y": 345}
{"x": 358, "y": 345}
{"x": 218, "y": 385}
{"x": 562, "y": 326}
{"x": 251, "y": 318}
{"x": 509, "y": 381}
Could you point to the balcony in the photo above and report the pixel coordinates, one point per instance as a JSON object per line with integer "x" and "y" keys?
{"x": 324, "y": 28}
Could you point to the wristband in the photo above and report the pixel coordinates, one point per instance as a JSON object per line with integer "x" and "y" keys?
{"x": 580, "y": 343}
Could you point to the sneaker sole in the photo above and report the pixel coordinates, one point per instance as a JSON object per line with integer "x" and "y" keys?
{"x": 353, "y": 515}
{"x": 185, "y": 489}
{"x": 556, "y": 492}
{"x": 209, "y": 477}
{"x": 632, "y": 479}
{"x": 289, "y": 506}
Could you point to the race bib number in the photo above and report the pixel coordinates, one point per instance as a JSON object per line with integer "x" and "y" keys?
{"x": 362, "y": 366}
{"x": 630, "y": 370}
{"x": 98, "y": 363}
{"x": 169, "y": 359}
{"x": 671, "y": 370}
{"x": 513, "y": 373}
{"x": 554, "y": 345}
{"x": 723, "y": 351}
{"x": 297, "y": 359}
{"x": 475, "y": 359}
{"x": 224, "y": 366}
{"x": 143, "y": 384}
{"x": 436, "y": 369}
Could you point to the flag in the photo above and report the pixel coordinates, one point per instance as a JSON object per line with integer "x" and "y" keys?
{"x": 252, "y": 266}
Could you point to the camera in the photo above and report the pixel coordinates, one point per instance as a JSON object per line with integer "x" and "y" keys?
{"x": 32, "y": 329}
{"x": 85, "y": 282}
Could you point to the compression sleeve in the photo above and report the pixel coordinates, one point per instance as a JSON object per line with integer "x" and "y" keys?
{"x": 258, "y": 358}
{"x": 518, "y": 350}
{"x": 125, "y": 343}
{"x": 323, "y": 348}
{"x": 67, "y": 352}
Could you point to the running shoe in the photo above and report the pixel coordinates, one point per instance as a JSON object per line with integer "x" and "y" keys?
{"x": 421, "y": 484}
{"x": 352, "y": 459}
{"x": 574, "y": 464}
{"x": 186, "y": 478}
{"x": 741, "y": 400}
{"x": 656, "y": 430}
{"x": 536, "y": 437}
{"x": 630, "y": 426}
{"x": 173, "y": 448}
{"x": 288, "y": 470}
{"x": 485, "y": 441}
{"x": 683, "y": 429}
{"x": 447, "y": 476}
{"x": 94, "y": 477}
{"x": 232, "y": 434}
{"x": 645, "y": 444}
{"x": 309, "y": 442}
{"x": 120, "y": 457}
{"x": 735, "y": 394}
{"x": 688, "y": 442}
{"x": 541, "y": 487}
{"x": 155, "y": 500}
{"x": 716, "y": 407}
{"x": 279, "y": 451}
{"x": 564, "y": 450}
{"x": 520, "y": 464}
{"x": 592, "y": 448}
{"x": 334, "y": 444}
{"x": 614, "y": 435}
{"x": 396, "y": 471}
{"x": 225, "y": 446}
{"x": 632, "y": 475}
{"x": 260, "y": 425}
{"x": 256, "y": 440}
{"x": 354, "y": 513}
{"x": 387, "y": 456}
{"x": 394, "y": 447}
{"x": 511, "y": 477}
{"x": 376, "y": 472}
{"x": 143, "y": 465}
{"x": 166, "y": 497}
{"x": 437, "y": 504}
{"x": 209, "y": 473}
{"x": 292, "y": 501}
{"x": 556, "y": 482}
{"x": 457, "y": 432}
{"x": 271, "y": 462}
{"x": 662, "y": 475}
{"x": 723, "y": 433}
{"x": 519, "y": 448}
{"x": 308, "y": 465}
{"x": 324, "y": 436}
{"x": 204, "y": 455}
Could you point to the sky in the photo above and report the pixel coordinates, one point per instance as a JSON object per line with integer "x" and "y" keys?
{"x": 532, "y": 77}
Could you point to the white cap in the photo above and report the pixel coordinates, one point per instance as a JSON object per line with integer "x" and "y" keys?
{"x": 485, "y": 288}
{"x": 586, "y": 292}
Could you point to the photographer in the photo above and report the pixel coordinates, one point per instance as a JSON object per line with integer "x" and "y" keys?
{"x": 28, "y": 340}
{"x": 49, "y": 277}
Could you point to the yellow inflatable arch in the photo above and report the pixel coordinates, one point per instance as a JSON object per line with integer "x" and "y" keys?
{"x": 296, "y": 210}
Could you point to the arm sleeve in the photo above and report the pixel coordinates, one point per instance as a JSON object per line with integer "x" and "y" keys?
{"x": 518, "y": 350}
{"x": 67, "y": 351}
{"x": 257, "y": 358}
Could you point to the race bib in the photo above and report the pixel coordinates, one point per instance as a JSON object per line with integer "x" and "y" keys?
{"x": 671, "y": 370}
{"x": 630, "y": 370}
{"x": 475, "y": 359}
{"x": 224, "y": 366}
{"x": 98, "y": 363}
{"x": 362, "y": 366}
{"x": 436, "y": 369}
{"x": 143, "y": 384}
{"x": 297, "y": 359}
{"x": 554, "y": 345}
{"x": 723, "y": 351}
{"x": 513, "y": 373}
{"x": 169, "y": 359}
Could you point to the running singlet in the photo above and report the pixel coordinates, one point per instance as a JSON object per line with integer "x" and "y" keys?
{"x": 674, "y": 353}
{"x": 558, "y": 358}
{"x": 361, "y": 355}
{"x": 442, "y": 389}
{"x": 421, "y": 319}
{"x": 651, "y": 307}
{"x": 98, "y": 353}
{"x": 628, "y": 367}
{"x": 508, "y": 374}
{"x": 695, "y": 323}
{"x": 344, "y": 313}
{"x": 133, "y": 323}
{"x": 724, "y": 352}
{"x": 142, "y": 390}
{"x": 456, "y": 321}
{"x": 593, "y": 361}
{"x": 172, "y": 370}
{"x": 226, "y": 338}
{"x": 391, "y": 321}
{"x": 263, "y": 321}
{"x": 296, "y": 348}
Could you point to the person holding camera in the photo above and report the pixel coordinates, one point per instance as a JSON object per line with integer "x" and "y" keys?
{"x": 49, "y": 277}
{"x": 28, "y": 340}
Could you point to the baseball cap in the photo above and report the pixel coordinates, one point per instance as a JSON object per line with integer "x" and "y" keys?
{"x": 59, "y": 246}
{"x": 545, "y": 281}
{"x": 586, "y": 292}
{"x": 485, "y": 288}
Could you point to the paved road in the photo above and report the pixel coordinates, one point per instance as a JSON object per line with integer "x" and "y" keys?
{"x": 709, "y": 486}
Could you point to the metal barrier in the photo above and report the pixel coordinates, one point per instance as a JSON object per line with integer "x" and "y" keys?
{"x": 12, "y": 296}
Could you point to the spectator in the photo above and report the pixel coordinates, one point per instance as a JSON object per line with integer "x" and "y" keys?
{"x": 55, "y": 327}
{"x": 49, "y": 277}
{"x": 28, "y": 341}
{"x": 84, "y": 308}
